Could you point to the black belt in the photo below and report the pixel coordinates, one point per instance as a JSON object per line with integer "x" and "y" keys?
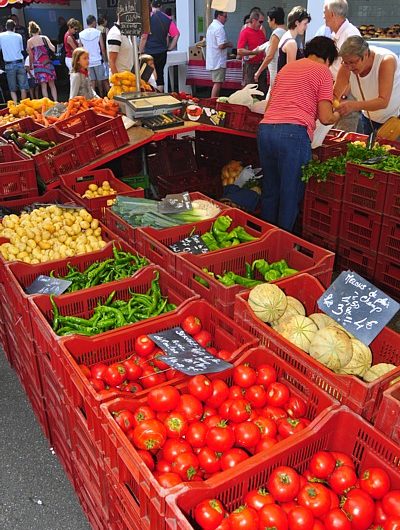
{"x": 11, "y": 62}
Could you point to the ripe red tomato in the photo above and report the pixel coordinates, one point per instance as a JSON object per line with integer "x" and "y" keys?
{"x": 225, "y": 355}
{"x": 220, "y": 438}
{"x": 375, "y": 481}
{"x": 132, "y": 388}
{"x": 149, "y": 434}
{"x": 208, "y": 411}
{"x": 143, "y": 413}
{"x": 360, "y": 508}
{"x": 342, "y": 459}
{"x": 97, "y": 384}
{"x": 342, "y": 478}
{"x": 212, "y": 421}
{"x": 380, "y": 516}
{"x": 289, "y": 426}
{"x": 85, "y": 370}
{"x": 257, "y": 499}
{"x": 192, "y": 325}
{"x": 334, "y": 499}
{"x": 219, "y": 395}
{"x": 97, "y": 370}
{"x": 300, "y": 518}
{"x": 200, "y": 387}
{"x": 322, "y": 464}
{"x": 240, "y": 410}
{"x": 392, "y": 523}
{"x": 223, "y": 410}
{"x": 296, "y": 407}
{"x": 172, "y": 448}
{"x": 316, "y": 497}
{"x": 265, "y": 443}
{"x": 278, "y": 394}
{"x": 257, "y": 396}
{"x": 190, "y": 407}
{"x": 133, "y": 369}
{"x": 168, "y": 480}
{"x": 267, "y": 427}
{"x": 244, "y": 518}
{"x": 204, "y": 338}
{"x": 288, "y": 506}
{"x": 336, "y": 519}
{"x": 209, "y": 514}
{"x": 273, "y": 516}
{"x": 147, "y": 458}
{"x": 196, "y": 434}
{"x": 115, "y": 374}
{"x": 237, "y": 392}
{"x": 209, "y": 460}
{"x": 266, "y": 374}
{"x": 247, "y": 435}
{"x": 232, "y": 458}
{"x": 151, "y": 377}
{"x": 176, "y": 425}
{"x": 244, "y": 376}
{"x": 283, "y": 484}
{"x": 163, "y": 399}
{"x": 144, "y": 346}
{"x": 274, "y": 413}
{"x": 163, "y": 466}
{"x": 391, "y": 503}
{"x": 186, "y": 465}
{"x": 125, "y": 419}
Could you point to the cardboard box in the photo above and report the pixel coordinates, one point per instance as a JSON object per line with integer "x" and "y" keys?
{"x": 197, "y": 53}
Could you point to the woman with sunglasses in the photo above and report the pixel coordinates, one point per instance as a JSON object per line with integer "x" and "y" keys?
{"x": 373, "y": 74}
{"x": 289, "y": 49}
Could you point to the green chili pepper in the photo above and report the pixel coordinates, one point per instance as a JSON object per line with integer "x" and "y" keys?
{"x": 240, "y": 233}
{"x": 246, "y": 282}
{"x": 56, "y": 313}
{"x": 209, "y": 240}
{"x": 227, "y": 279}
{"x": 220, "y": 227}
{"x": 249, "y": 271}
{"x": 202, "y": 281}
{"x": 272, "y": 275}
{"x": 289, "y": 272}
{"x": 261, "y": 266}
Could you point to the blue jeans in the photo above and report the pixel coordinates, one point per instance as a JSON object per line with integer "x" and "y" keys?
{"x": 16, "y": 76}
{"x": 366, "y": 125}
{"x": 283, "y": 149}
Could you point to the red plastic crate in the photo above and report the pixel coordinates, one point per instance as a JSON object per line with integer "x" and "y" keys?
{"x": 83, "y": 350}
{"x": 279, "y": 244}
{"x": 98, "y": 135}
{"x": 155, "y": 243}
{"x": 4, "y": 328}
{"x": 124, "y": 510}
{"x": 320, "y": 239}
{"x": 131, "y": 234}
{"x": 82, "y": 304}
{"x": 134, "y": 475}
{"x": 363, "y": 398}
{"x": 56, "y": 196}
{"x": 337, "y": 431}
{"x": 17, "y": 174}
{"x": 21, "y": 275}
{"x": 388, "y": 417}
{"x": 389, "y": 244}
{"x": 171, "y": 157}
{"x": 360, "y": 227}
{"x": 26, "y": 125}
{"x": 335, "y": 144}
{"x": 191, "y": 180}
{"x": 211, "y": 103}
{"x": 235, "y": 115}
{"x": 321, "y": 214}
{"x": 331, "y": 189}
{"x": 251, "y": 121}
{"x": 351, "y": 257}
{"x": 392, "y": 202}
{"x": 67, "y": 156}
{"x": 387, "y": 275}
{"x": 214, "y": 150}
{"x": 365, "y": 187}
{"x": 77, "y": 185}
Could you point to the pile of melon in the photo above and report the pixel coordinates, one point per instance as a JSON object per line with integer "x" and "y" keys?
{"x": 318, "y": 334}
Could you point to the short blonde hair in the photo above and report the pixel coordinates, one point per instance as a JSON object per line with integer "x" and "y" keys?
{"x": 73, "y": 23}
{"x": 33, "y": 28}
{"x": 76, "y": 57}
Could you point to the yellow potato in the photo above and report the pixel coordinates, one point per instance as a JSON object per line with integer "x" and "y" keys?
{"x": 93, "y": 187}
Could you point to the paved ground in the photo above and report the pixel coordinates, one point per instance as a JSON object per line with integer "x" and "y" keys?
{"x": 35, "y": 494}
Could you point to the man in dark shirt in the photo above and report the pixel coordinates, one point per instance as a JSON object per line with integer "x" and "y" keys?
{"x": 21, "y": 30}
{"x": 62, "y": 23}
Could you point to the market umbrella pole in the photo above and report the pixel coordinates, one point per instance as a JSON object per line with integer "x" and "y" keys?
{"x": 136, "y": 61}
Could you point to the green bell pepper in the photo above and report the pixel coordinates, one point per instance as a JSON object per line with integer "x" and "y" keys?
{"x": 209, "y": 240}
{"x": 240, "y": 233}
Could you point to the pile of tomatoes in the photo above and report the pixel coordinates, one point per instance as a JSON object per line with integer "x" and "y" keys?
{"x": 144, "y": 369}
{"x": 209, "y": 426}
{"x": 328, "y": 495}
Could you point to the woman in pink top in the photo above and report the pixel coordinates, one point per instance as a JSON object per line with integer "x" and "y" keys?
{"x": 302, "y": 92}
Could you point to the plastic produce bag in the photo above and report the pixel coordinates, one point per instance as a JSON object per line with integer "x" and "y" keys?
{"x": 245, "y": 96}
{"x": 248, "y": 173}
{"x": 320, "y": 133}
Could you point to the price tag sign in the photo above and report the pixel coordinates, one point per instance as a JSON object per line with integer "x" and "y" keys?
{"x": 185, "y": 354}
{"x": 192, "y": 244}
{"x": 134, "y": 17}
{"x": 47, "y": 285}
{"x": 175, "y": 203}
{"x": 358, "y": 306}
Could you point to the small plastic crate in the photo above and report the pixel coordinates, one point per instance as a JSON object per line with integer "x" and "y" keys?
{"x": 76, "y": 185}
{"x": 388, "y": 417}
{"x": 211, "y": 103}
{"x": 277, "y": 245}
{"x": 331, "y": 189}
{"x": 392, "y": 202}
{"x": 17, "y": 174}
{"x": 83, "y": 350}
{"x": 133, "y": 475}
{"x": 320, "y": 239}
{"x": 171, "y": 157}
{"x": 235, "y": 115}
{"x": 25, "y": 125}
{"x": 155, "y": 243}
{"x": 365, "y": 187}
{"x": 337, "y": 431}
{"x": 321, "y": 215}
{"x": 351, "y": 257}
{"x": 360, "y": 227}
{"x": 137, "y": 181}
{"x": 335, "y": 144}
{"x": 67, "y": 156}
{"x": 389, "y": 244}
{"x": 363, "y": 398}
{"x": 387, "y": 275}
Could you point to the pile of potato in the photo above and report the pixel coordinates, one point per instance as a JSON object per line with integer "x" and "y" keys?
{"x": 49, "y": 233}
{"x": 95, "y": 191}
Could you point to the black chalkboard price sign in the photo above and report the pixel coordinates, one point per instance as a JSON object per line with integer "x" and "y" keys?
{"x": 133, "y": 17}
{"x": 192, "y": 244}
{"x": 186, "y": 355}
{"x": 48, "y": 285}
{"x": 358, "y": 306}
